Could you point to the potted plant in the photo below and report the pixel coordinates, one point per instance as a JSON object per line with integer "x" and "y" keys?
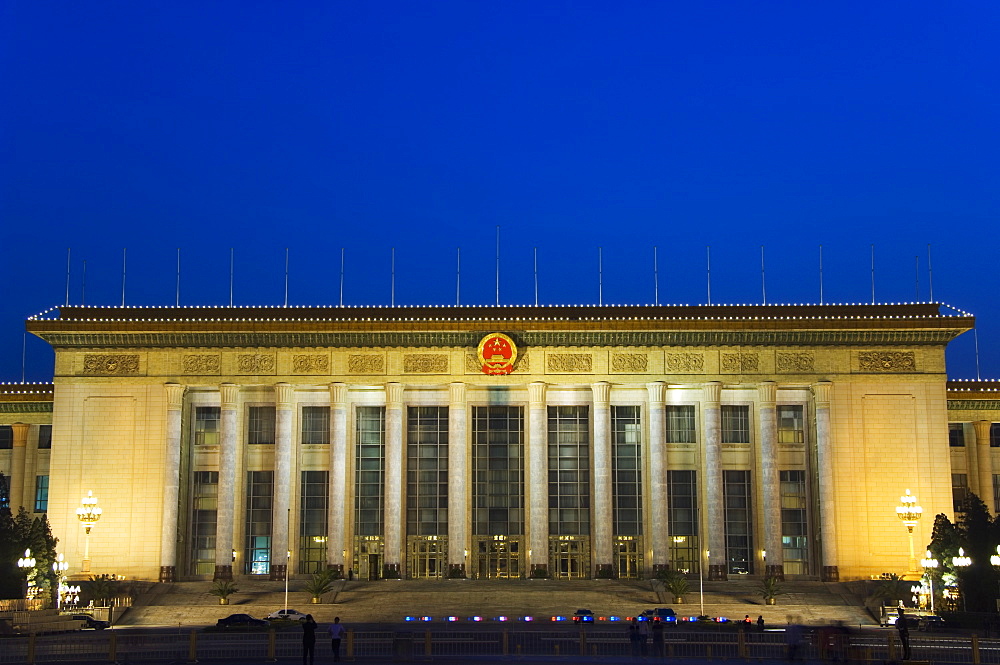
{"x": 320, "y": 583}
{"x": 770, "y": 587}
{"x": 223, "y": 589}
{"x": 676, "y": 584}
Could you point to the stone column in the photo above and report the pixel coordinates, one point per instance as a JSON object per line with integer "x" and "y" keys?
{"x": 335, "y": 544}
{"x": 658, "y": 513}
{"x": 458, "y": 478}
{"x": 171, "y": 483}
{"x": 824, "y": 459}
{"x": 985, "y": 462}
{"x": 770, "y": 480}
{"x": 280, "y": 514}
{"x": 714, "y": 495}
{"x": 228, "y": 487}
{"x": 538, "y": 480}
{"x": 393, "y": 479}
{"x": 603, "y": 528}
{"x": 18, "y": 480}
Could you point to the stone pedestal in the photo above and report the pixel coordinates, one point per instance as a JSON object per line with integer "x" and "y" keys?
{"x": 224, "y": 573}
{"x": 831, "y": 574}
{"x": 278, "y": 572}
{"x": 776, "y": 571}
{"x": 168, "y": 573}
{"x": 456, "y": 571}
{"x": 717, "y": 573}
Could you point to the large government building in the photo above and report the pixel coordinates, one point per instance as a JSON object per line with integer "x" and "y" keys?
{"x": 497, "y": 442}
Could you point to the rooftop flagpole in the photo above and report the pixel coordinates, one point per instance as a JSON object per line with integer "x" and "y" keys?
{"x": 68, "y": 252}
{"x": 392, "y": 279}
{"x": 656, "y": 279}
{"x": 286, "y": 277}
{"x": 708, "y": 270}
{"x": 498, "y": 265}
{"x": 177, "y": 298}
{"x": 763, "y": 282}
{"x": 341, "y": 276}
{"x": 458, "y": 276}
{"x": 536, "y": 277}
{"x": 231, "y": 258}
{"x": 600, "y": 276}
{"x": 873, "y": 273}
{"x": 821, "y": 274}
{"x": 124, "y": 250}
{"x": 930, "y": 274}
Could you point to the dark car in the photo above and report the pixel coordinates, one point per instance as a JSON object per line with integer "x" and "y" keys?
{"x": 244, "y": 620}
{"x": 930, "y": 623}
{"x": 583, "y": 616}
{"x": 664, "y": 614}
{"x": 91, "y": 622}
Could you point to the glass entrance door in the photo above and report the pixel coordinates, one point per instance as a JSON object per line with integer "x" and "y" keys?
{"x": 498, "y": 558}
{"x": 569, "y": 557}
{"x": 426, "y": 556}
{"x": 368, "y": 557}
{"x": 629, "y": 559}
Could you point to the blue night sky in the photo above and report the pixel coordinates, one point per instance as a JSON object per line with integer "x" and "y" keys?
{"x": 316, "y": 126}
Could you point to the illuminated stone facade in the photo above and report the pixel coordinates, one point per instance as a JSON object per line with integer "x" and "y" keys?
{"x": 739, "y": 440}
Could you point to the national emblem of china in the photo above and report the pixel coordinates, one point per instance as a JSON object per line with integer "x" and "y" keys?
{"x": 497, "y": 353}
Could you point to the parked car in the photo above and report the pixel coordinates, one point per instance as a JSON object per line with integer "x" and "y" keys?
{"x": 930, "y": 623}
{"x": 583, "y": 616}
{"x": 244, "y": 620}
{"x": 286, "y": 615}
{"x": 664, "y": 614}
{"x": 91, "y": 622}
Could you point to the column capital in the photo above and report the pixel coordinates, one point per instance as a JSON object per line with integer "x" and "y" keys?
{"x": 338, "y": 394}
{"x": 20, "y": 436}
{"x": 713, "y": 391}
{"x": 456, "y": 393}
{"x": 657, "y": 392}
{"x": 283, "y": 395}
{"x": 767, "y": 393}
{"x": 228, "y": 393}
{"x": 175, "y": 396}
{"x": 602, "y": 394}
{"x": 982, "y": 431}
{"x": 394, "y": 395}
{"x": 821, "y": 391}
{"x": 536, "y": 393}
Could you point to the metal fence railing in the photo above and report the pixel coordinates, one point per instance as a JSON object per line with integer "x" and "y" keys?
{"x": 444, "y": 643}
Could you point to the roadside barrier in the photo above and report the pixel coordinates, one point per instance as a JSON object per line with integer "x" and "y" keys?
{"x": 444, "y": 642}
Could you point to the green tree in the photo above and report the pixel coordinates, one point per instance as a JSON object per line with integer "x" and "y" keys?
{"x": 978, "y": 581}
{"x": 11, "y": 583}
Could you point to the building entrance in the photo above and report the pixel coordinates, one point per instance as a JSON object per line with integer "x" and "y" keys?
{"x": 498, "y": 558}
{"x": 569, "y": 557}
{"x": 368, "y": 557}
{"x": 628, "y": 557}
{"x": 426, "y": 557}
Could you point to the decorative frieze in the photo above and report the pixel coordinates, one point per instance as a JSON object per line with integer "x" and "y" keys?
{"x": 366, "y": 364}
{"x": 255, "y": 363}
{"x": 795, "y": 362}
{"x": 740, "y": 362}
{"x": 631, "y": 363}
{"x": 202, "y": 363}
{"x": 684, "y": 363}
{"x": 887, "y": 361}
{"x": 111, "y": 364}
{"x": 562, "y": 363}
{"x": 425, "y": 363}
{"x": 521, "y": 366}
{"x": 311, "y": 363}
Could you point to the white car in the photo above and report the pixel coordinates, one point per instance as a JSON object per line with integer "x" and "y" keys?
{"x": 287, "y": 615}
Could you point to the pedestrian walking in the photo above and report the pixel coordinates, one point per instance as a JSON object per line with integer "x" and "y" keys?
{"x": 657, "y": 631}
{"x": 308, "y": 640}
{"x": 904, "y": 633}
{"x": 634, "y": 637}
{"x": 337, "y": 632}
{"x": 644, "y": 638}
{"x": 760, "y": 622}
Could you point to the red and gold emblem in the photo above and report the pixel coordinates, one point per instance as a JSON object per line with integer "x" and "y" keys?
{"x": 497, "y": 353}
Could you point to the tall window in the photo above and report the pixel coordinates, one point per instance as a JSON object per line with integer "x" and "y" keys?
{"x": 4, "y": 493}
{"x": 996, "y": 493}
{"x": 626, "y": 470}
{"x": 681, "y": 424}
{"x": 206, "y": 425}
{"x": 315, "y": 425}
{"x": 739, "y": 525}
{"x": 261, "y": 425}
{"x": 313, "y": 521}
{"x": 994, "y": 435}
{"x": 735, "y": 423}
{"x": 956, "y": 435}
{"x": 260, "y": 492}
{"x": 498, "y": 470}
{"x": 45, "y": 437}
{"x": 569, "y": 470}
{"x": 794, "y": 527}
{"x": 791, "y": 424}
{"x": 204, "y": 504}
{"x": 6, "y": 437}
{"x": 427, "y": 471}
{"x": 959, "y": 491}
{"x": 682, "y": 503}
{"x": 41, "y": 494}
{"x": 369, "y": 471}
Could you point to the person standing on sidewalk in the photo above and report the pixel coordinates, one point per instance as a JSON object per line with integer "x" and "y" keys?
{"x": 337, "y": 632}
{"x": 308, "y": 640}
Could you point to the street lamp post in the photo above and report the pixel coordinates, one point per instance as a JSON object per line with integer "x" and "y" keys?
{"x": 929, "y": 563}
{"x": 59, "y": 567}
{"x": 961, "y": 561}
{"x": 88, "y": 513}
{"x": 27, "y": 566}
{"x": 909, "y": 513}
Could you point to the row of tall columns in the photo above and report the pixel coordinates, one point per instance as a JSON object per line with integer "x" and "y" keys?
{"x": 536, "y": 481}
{"x": 18, "y": 490}
{"x": 982, "y": 459}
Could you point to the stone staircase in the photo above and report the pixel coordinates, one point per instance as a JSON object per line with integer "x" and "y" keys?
{"x": 388, "y": 601}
